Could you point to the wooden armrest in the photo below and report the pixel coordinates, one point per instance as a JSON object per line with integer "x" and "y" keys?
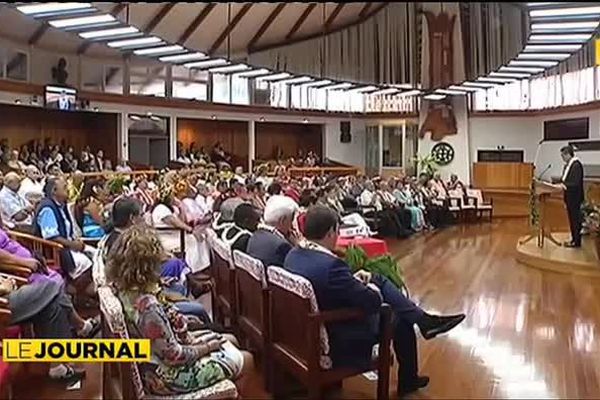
{"x": 15, "y": 270}
{"x": 338, "y": 315}
{"x": 25, "y": 236}
{"x": 18, "y": 279}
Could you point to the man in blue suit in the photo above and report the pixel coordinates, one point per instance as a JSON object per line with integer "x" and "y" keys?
{"x": 271, "y": 241}
{"x": 335, "y": 287}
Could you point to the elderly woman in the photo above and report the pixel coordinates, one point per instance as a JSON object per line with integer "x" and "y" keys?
{"x": 404, "y": 195}
{"x": 182, "y": 361}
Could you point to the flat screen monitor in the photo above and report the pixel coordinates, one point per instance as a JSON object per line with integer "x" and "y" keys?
{"x": 60, "y": 98}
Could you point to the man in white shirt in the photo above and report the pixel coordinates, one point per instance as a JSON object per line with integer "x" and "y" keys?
{"x": 16, "y": 211}
{"x": 32, "y": 187}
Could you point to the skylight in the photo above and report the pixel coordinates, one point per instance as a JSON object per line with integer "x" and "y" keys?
{"x": 274, "y": 77}
{"x": 575, "y": 37}
{"x": 534, "y": 63}
{"x": 135, "y": 42}
{"x": 229, "y": 68}
{"x": 317, "y": 84}
{"x": 543, "y": 56}
{"x": 158, "y": 50}
{"x": 253, "y": 73}
{"x": 561, "y": 12}
{"x": 103, "y": 33}
{"x": 364, "y": 89}
{"x": 206, "y": 64}
{"x": 495, "y": 79}
{"x": 183, "y": 57}
{"x": 79, "y": 21}
{"x": 296, "y": 80}
{"x": 339, "y": 86}
{"x": 383, "y": 92}
{"x": 552, "y": 47}
{"x": 533, "y": 70}
{"x": 509, "y": 75}
{"x": 41, "y": 8}
{"x": 451, "y": 92}
{"x": 435, "y": 97}
{"x": 591, "y": 25}
{"x": 478, "y": 84}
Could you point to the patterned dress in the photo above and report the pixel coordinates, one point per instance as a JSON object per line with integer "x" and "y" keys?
{"x": 177, "y": 365}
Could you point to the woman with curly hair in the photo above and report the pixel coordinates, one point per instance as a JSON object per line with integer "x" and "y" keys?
{"x": 182, "y": 361}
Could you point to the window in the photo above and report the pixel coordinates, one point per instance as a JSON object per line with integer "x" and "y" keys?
{"x": 148, "y": 81}
{"x": 392, "y": 146}
{"x": 113, "y": 79}
{"x": 221, "y": 88}
{"x": 567, "y": 129}
{"x": 240, "y": 93}
{"x": 190, "y": 83}
{"x": 279, "y": 95}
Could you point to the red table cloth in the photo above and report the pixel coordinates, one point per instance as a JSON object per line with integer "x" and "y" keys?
{"x": 373, "y": 247}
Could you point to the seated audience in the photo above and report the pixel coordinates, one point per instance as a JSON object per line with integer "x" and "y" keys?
{"x": 335, "y": 287}
{"x": 89, "y": 209}
{"x": 275, "y": 238}
{"x": 246, "y": 218}
{"x": 257, "y": 195}
{"x": 43, "y": 305}
{"x": 52, "y": 221}
{"x": 32, "y": 186}
{"x": 182, "y": 361}
{"x": 455, "y": 184}
{"x": 404, "y": 196}
{"x": 17, "y": 212}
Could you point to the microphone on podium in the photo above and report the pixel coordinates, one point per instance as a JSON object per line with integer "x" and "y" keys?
{"x": 544, "y": 171}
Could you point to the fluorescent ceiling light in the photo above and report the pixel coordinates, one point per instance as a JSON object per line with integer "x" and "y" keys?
{"x": 464, "y": 88}
{"x": 552, "y": 47}
{"x": 533, "y": 63}
{"x": 564, "y": 25}
{"x": 495, "y": 80}
{"x": 451, "y": 92}
{"x": 533, "y": 70}
{"x": 435, "y": 97}
{"x": 274, "y": 77}
{"x": 384, "y": 92}
{"x": 158, "y": 50}
{"x": 229, "y": 68}
{"x": 51, "y": 7}
{"x": 410, "y": 93}
{"x": 561, "y": 12}
{"x": 317, "y": 84}
{"x": 253, "y": 73}
{"x": 183, "y": 57}
{"x": 296, "y": 80}
{"x": 207, "y": 64}
{"x": 135, "y": 42}
{"x": 543, "y": 56}
{"x": 509, "y": 75}
{"x": 538, "y": 4}
{"x": 108, "y": 32}
{"x": 565, "y": 37}
{"x": 89, "y": 20}
{"x": 363, "y": 89}
{"x": 339, "y": 86}
{"x": 403, "y": 85}
{"x": 478, "y": 84}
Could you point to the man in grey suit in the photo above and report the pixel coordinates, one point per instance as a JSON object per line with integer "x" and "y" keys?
{"x": 273, "y": 240}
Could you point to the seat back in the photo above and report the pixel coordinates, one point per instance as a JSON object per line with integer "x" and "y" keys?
{"x": 114, "y": 326}
{"x": 293, "y": 301}
{"x": 475, "y": 193}
{"x": 222, "y": 270}
{"x": 250, "y": 287}
{"x": 47, "y": 249}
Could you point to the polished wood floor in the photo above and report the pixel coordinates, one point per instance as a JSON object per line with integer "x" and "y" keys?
{"x": 528, "y": 333}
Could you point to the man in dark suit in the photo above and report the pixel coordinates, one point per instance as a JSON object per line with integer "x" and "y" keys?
{"x": 272, "y": 241}
{"x": 572, "y": 184}
{"x": 335, "y": 287}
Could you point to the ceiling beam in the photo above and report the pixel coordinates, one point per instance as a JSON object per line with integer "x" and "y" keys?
{"x": 116, "y": 10}
{"x": 300, "y": 20}
{"x": 195, "y": 24}
{"x": 160, "y": 15}
{"x": 365, "y": 10}
{"x": 263, "y": 28}
{"x": 37, "y": 35}
{"x": 336, "y": 11}
{"x": 238, "y": 17}
{"x": 288, "y": 39}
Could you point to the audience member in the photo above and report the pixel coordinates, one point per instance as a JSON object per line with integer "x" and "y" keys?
{"x": 246, "y": 218}
{"x": 17, "y": 212}
{"x": 336, "y": 288}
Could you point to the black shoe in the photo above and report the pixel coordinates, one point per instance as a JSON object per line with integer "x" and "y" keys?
{"x": 572, "y": 245}
{"x": 433, "y": 325}
{"x": 406, "y": 388}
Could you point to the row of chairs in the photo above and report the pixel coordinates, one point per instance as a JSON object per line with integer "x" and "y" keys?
{"x": 275, "y": 313}
{"x": 469, "y": 205}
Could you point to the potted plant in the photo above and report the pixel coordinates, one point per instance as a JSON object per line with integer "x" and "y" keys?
{"x": 427, "y": 164}
{"x": 591, "y": 223}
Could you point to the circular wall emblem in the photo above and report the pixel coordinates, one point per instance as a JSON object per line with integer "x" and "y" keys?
{"x": 443, "y": 153}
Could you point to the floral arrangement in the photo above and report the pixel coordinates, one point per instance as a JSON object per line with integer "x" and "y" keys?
{"x": 357, "y": 259}
{"x": 591, "y": 218}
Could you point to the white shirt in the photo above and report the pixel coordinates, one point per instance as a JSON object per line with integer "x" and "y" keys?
{"x": 368, "y": 198}
{"x": 32, "y": 191}
{"x": 205, "y": 203}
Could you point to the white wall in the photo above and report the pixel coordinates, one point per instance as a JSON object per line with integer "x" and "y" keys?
{"x": 352, "y": 153}
{"x": 524, "y": 133}
{"x": 461, "y": 165}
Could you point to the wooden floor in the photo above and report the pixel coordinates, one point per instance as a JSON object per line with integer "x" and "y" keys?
{"x": 528, "y": 333}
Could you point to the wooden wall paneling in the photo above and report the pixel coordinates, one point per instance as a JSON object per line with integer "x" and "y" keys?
{"x": 289, "y": 137}
{"x": 21, "y": 124}
{"x": 502, "y": 175}
{"x": 233, "y": 135}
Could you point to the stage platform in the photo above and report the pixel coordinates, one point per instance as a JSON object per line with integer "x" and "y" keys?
{"x": 583, "y": 261}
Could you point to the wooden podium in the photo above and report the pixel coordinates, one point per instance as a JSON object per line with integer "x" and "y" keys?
{"x": 542, "y": 191}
